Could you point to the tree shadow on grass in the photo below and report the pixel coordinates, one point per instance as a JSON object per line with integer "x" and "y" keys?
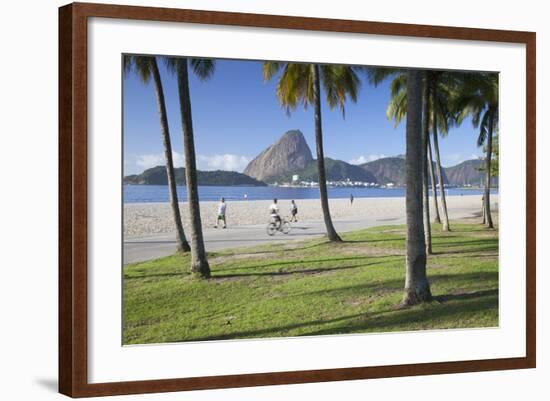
{"x": 466, "y": 251}
{"x": 418, "y": 318}
{"x": 303, "y": 261}
{"x": 155, "y": 275}
{"x": 294, "y": 271}
{"x": 221, "y": 273}
{"x": 415, "y": 318}
{"x": 465, "y": 295}
{"x": 286, "y": 272}
{"x": 365, "y": 288}
{"x": 369, "y": 241}
{"x": 307, "y": 247}
{"x": 456, "y": 255}
{"x": 396, "y": 284}
{"x": 480, "y": 245}
{"x": 267, "y": 251}
{"x": 269, "y": 331}
{"x": 481, "y": 241}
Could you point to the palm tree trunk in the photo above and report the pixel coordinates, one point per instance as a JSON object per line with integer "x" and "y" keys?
{"x": 440, "y": 176}
{"x": 199, "y": 261}
{"x": 182, "y": 244}
{"x": 437, "y": 218}
{"x": 483, "y": 220}
{"x": 417, "y": 287}
{"x": 425, "y": 190}
{"x": 487, "y": 199}
{"x": 331, "y": 232}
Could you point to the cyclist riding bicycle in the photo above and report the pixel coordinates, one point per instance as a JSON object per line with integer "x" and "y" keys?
{"x": 274, "y": 212}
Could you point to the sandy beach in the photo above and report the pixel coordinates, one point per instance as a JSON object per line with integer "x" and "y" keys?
{"x": 142, "y": 219}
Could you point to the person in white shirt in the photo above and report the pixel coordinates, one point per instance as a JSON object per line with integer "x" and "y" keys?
{"x": 221, "y": 213}
{"x": 293, "y": 211}
{"x": 274, "y": 212}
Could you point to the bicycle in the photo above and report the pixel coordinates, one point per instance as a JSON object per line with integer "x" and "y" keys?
{"x": 273, "y": 226}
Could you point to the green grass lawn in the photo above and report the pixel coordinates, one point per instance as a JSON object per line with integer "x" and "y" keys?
{"x": 313, "y": 288}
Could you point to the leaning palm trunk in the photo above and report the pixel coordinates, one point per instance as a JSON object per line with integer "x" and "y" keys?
{"x": 425, "y": 190}
{"x": 182, "y": 244}
{"x": 417, "y": 287}
{"x": 331, "y": 232}
{"x": 440, "y": 177}
{"x": 432, "y": 178}
{"x": 487, "y": 199}
{"x": 199, "y": 261}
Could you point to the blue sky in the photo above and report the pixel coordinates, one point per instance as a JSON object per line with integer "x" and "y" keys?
{"x": 236, "y": 115}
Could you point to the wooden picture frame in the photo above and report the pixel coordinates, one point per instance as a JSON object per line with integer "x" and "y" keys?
{"x": 73, "y": 204}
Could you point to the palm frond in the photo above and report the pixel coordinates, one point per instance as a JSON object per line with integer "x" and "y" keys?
{"x": 270, "y": 69}
{"x": 203, "y": 68}
{"x": 127, "y": 63}
{"x": 340, "y": 82}
{"x": 376, "y": 75}
{"x": 295, "y": 86}
{"x": 397, "y": 108}
{"x": 142, "y": 66}
{"x": 398, "y": 84}
{"x": 295, "y": 83}
{"x": 483, "y": 129}
{"x": 172, "y": 63}
{"x": 474, "y": 94}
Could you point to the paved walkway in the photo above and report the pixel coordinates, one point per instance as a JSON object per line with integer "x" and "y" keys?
{"x": 155, "y": 246}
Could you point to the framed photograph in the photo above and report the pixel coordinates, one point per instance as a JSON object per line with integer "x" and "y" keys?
{"x": 250, "y": 200}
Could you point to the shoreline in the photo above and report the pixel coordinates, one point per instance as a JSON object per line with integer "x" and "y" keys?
{"x": 142, "y": 219}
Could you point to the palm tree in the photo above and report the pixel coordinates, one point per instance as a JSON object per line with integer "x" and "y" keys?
{"x": 439, "y": 82}
{"x": 147, "y": 68}
{"x": 439, "y": 172}
{"x": 437, "y": 217}
{"x": 425, "y": 183}
{"x": 203, "y": 68}
{"x": 478, "y": 97}
{"x": 417, "y": 287}
{"x": 301, "y": 83}
{"x": 397, "y": 110}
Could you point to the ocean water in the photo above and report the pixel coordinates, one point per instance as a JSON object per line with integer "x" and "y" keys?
{"x": 159, "y": 193}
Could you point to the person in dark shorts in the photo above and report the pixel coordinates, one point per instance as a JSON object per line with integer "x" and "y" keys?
{"x": 221, "y": 213}
{"x": 293, "y": 211}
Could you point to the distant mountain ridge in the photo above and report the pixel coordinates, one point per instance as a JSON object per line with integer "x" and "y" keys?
{"x": 291, "y": 156}
{"x": 392, "y": 170}
{"x": 468, "y": 172}
{"x": 157, "y": 176}
{"x": 387, "y": 170}
{"x": 336, "y": 170}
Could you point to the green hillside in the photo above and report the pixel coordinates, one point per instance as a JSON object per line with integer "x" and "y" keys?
{"x": 157, "y": 176}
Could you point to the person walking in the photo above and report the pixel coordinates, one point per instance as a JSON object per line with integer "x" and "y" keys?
{"x": 293, "y": 211}
{"x": 351, "y": 199}
{"x": 222, "y": 206}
